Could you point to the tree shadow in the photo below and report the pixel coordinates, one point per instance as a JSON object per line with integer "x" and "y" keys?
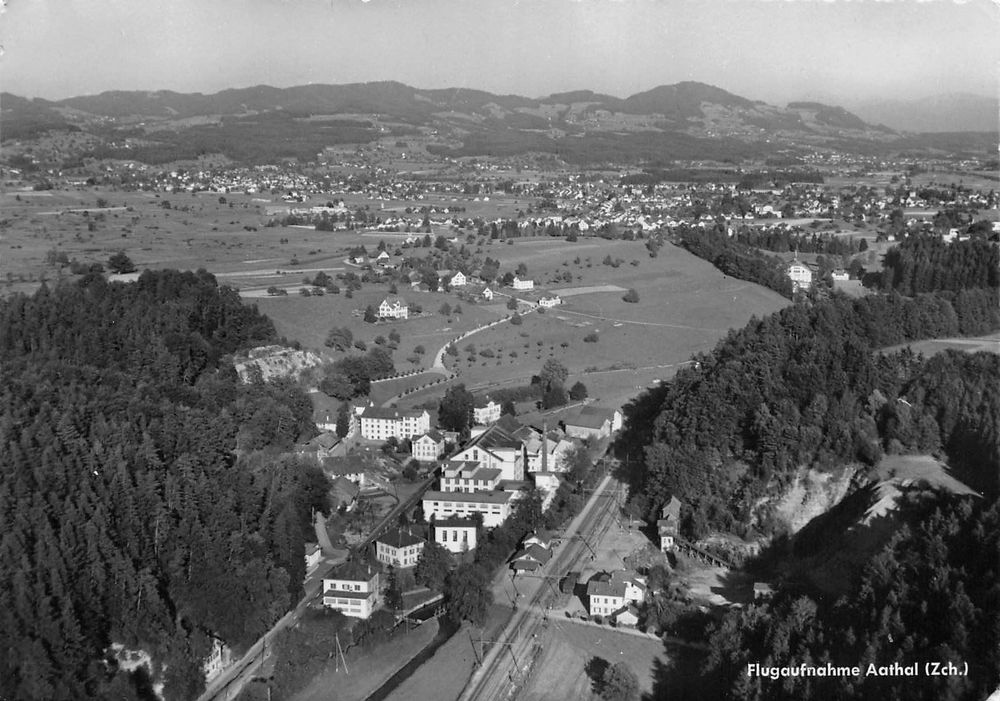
{"x": 680, "y": 678}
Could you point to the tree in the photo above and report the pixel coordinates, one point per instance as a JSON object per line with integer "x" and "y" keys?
{"x": 469, "y": 594}
{"x": 433, "y": 564}
{"x": 393, "y": 592}
{"x": 619, "y": 683}
{"x": 508, "y": 407}
{"x": 455, "y": 412}
{"x": 445, "y": 309}
{"x": 343, "y": 425}
{"x": 554, "y": 396}
{"x": 512, "y": 303}
{"x": 631, "y": 296}
{"x": 516, "y": 319}
{"x": 578, "y": 391}
{"x": 553, "y": 373}
{"x": 370, "y": 315}
{"x": 120, "y": 263}
{"x": 339, "y": 338}
{"x": 394, "y": 336}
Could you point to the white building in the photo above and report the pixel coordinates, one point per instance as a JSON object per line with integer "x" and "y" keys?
{"x": 519, "y": 284}
{"x": 219, "y": 658}
{"x": 314, "y": 555}
{"x": 378, "y": 424}
{"x": 593, "y": 422}
{"x": 468, "y": 476}
{"x": 393, "y": 307}
{"x": 800, "y": 275}
{"x": 485, "y": 411}
{"x": 458, "y": 280}
{"x": 494, "y": 506}
{"x": 497, "y": 448}
{"x": 352, "y": 589}
{"x": 399, "y": 548}
{"x": 429, "y": 447}
{"x": 549, "y": 301}
{"x": 457, "y": 535}
{"x": 669, "y": 524}
{"x": 606, "y": 596}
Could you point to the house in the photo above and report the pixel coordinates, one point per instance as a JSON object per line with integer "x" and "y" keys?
{"x": 219, "y": 658}
{"x": 485, "y": 411}
{"x": 322, "y": 446}
{"x": 549, "y": 301}
{"x": 428, "y": 447}
{"x": 593, "y": 422}
{"x": 393, "y": 307}
{"x": 530, "y": 558}
{"x": 458, "y": 280}
{"x": 519, "y": 284}
{"x": 313, "y": 556}
{"x": 496, "y": 448}
{"x": 468, "y": 476}
{"x": 669, "y": 524}
{"x": 762, "y": 591}
{"x": 609, "y": 593}
{"x": 840, "y": 275}
{"x": 487, "y": 294}
{"x": 494, "y": 506}
{"x": 380, "y": 424}
{"x": 399, "y": 548}
{"x": 382, "y": 258}
{"x": 627, "y": 616}
{"x": 457, "y": 535}
{"x": 800, "y": 275}
{"x": 350, "y": 467}
{"x": 352, "y": 589}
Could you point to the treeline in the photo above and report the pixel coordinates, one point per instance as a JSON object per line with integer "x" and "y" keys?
{"x": 926, "y": 263}
{"x": 736, "y": 258}
{"x": 125, "y": 514}
{"x": 785, "y": 240}
{"x": 930, "y": 596}
{"x": 804, "y": 387}
{"x": 745, "y": 181}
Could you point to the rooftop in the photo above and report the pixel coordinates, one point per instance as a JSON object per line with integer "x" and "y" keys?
{"x": 352, "y": 571}
{"x": 494, "y": 497}
{"x": 401, "y": 538}
{"x": 454, "y": 522}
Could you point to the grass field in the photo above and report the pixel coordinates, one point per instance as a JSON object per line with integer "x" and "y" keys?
{"x": 369, "y": 668}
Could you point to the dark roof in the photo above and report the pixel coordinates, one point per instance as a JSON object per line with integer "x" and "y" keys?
{"x": 377, "y": 412}
{"x": 348, "y": 594}
{"x": 494, "y": 497}
{"x": 508, "y": 423}
{"x": 455, "y": 522}
{"x": 533, "y": 552}
{"x": 345, "y": 465}
{"x": 433, "y": 434}
{"x": 480, "y": 402}
{"x": 401, "y": 538}
{"x": 587, "y": 420}
{"x": 353, "y": 571}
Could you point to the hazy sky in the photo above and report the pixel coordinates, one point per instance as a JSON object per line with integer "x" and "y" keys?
{"x": 773, "y": 50}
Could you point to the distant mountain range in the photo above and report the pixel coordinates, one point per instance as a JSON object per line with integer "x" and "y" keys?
{"x": 942, "y": 113}
{"x": 688, "y": 120}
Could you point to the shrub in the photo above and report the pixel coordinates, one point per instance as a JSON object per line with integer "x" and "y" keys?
{"x": 631, "y": 296}
{"x": 591, "y": 337}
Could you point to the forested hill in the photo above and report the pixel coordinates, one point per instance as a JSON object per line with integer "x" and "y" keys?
{"x": 804, "y": 387}
{"x": 125, "y": 515}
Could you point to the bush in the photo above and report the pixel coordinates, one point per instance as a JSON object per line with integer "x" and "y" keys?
{"x": 591, "y": 337}
{"x": 516, "y": 320}
{"x": 631, "y": 296}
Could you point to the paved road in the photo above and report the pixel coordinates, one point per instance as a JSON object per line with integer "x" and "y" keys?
{"x": 503, "y": 667}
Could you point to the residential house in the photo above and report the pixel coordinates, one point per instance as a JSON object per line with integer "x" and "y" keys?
{"x": 519, "y": 284}
{"x": 380, "y": 424}
{"x": 400, "y": 547}
{"x": 428, "y": 447}
{"x": 669, "y": 524}
{"x": 762, "y": 591}
{"x": 458, "y": 280}
{"x": 314, "y": 555}
{"x": 593, "y": 422}
{"x": 800, "y": 275}
{"x": 549, "y": 301}
{"x": 393, "y": 307}
{"x": 468, "y": 476}
{"x": 351, "y": 467}
{"x": 457, "y": 535}
{"x": 610, "y": 593}
{"x": 352, "y": 589}
{"x": 840, "y": 275}
{"x": 627, "y": 616}
{"x": 219, "y": 658}
{"x": 322, "y": 446}
{"x": 485, "y": 411}
{"x": 487, "y": 294}
{"x": 494, "y": 506}
{"x": 530, "y": 558}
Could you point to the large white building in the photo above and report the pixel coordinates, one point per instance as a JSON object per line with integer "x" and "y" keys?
{"x": 468, "y": 476}
{"x": 378, "y": 424}
{"x": 800, "y": 275}
{"x": 352, "y": 589}
{"x": 457, "y": 535}
{"x": 494, "y": 506}
{"x": 519, "y": 284}
{"x": 497, "y": 448}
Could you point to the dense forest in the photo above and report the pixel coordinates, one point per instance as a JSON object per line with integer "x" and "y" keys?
{"x": 806, "y": 387}
{"x": 926, "y": 263}
{"x": 785, "y": 239}
{"x": 930, "y": 596}
{"x": 737, "y": 259}
{"x": 134, "y": 506}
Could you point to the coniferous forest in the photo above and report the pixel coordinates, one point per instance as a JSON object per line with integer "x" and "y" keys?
{"x": 135, "y": 504}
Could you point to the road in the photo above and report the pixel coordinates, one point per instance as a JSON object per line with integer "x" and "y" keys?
{"x": 504, "y": 666}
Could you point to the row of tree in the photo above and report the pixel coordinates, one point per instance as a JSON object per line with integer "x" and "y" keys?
{"x": 926, "y": 263}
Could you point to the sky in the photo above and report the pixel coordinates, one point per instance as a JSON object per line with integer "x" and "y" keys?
{"x": 772, "y": 50}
